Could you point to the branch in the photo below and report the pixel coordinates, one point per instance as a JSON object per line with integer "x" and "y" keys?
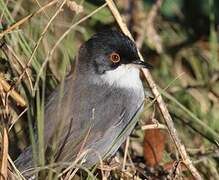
{"x": 180, "y": 147}
{"x": 7, "y": 88}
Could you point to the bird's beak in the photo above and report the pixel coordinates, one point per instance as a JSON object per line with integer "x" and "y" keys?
{"x": 141, "y": 64}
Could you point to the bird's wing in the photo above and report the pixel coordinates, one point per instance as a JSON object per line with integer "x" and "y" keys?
{"x": 89, "y": 118}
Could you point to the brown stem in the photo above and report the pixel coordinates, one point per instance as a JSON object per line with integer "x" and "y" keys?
{"x": 180, "y": 147}
{"x": 4, "y": 154}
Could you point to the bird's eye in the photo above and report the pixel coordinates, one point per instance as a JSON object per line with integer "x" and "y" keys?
{"x": 114, "y": 57}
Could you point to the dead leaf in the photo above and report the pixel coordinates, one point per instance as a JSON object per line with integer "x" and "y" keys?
{"x": 154, "y": 143}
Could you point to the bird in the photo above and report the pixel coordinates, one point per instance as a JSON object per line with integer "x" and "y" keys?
{"x": 95, "y": 110}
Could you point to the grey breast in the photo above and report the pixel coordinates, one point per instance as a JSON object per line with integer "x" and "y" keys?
{"x": 92, "y": 117}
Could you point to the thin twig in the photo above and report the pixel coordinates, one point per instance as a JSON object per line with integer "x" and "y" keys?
{"x": 180, "y": 147}
{"x": 153, "y": 126}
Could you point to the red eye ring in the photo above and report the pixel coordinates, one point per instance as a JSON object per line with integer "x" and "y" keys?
{"x": 114, "y": 57}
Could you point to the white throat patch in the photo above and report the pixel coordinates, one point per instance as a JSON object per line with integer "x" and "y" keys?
{"x": 125, "y": 76}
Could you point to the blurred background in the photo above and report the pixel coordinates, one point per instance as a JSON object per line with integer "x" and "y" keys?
{"x": 178, "y": 37}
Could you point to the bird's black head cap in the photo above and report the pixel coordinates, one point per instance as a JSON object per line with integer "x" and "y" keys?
{"x": 107, "y": 50}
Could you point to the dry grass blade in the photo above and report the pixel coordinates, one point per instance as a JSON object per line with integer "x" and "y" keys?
{"x": 39, "y": 41}
{"x": 126, "y": 153}
{"x": 48, "y": 57}
{"x": 73, "y": 165}
{"x": 16, "y": 119}
{"x": 151, "y": 33}
{"x": 16, "y": 62}
{"x": 4, "y": 154}
{"x": 13, "y": 171}
{"x": 44, "y": 12}
{"x": 148, "y": 29}
{"x": 22, "y": 21}
{"x": 164, "y": 111}
{"x": 71, "y": 174}
{"x": 17, "y": 97}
